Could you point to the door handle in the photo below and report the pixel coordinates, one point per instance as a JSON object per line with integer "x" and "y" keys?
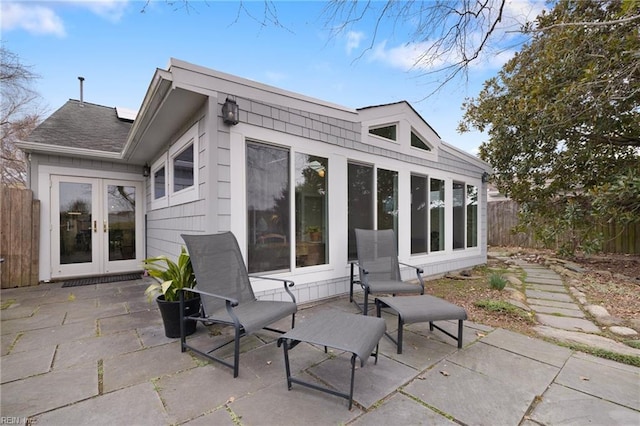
{"x": 95, "y": 226}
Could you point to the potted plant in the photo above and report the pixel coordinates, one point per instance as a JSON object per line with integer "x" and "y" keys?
{"x": 315, "y": 233}
{"x": 172, "y": 276}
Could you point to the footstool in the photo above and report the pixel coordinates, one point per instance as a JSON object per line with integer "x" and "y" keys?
{"x": 357, "y": 334}
{"x": 413, "y": 309}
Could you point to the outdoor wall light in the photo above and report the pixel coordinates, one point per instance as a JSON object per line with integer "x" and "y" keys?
{"x": 146, "y": 170}
{"x": 485, "y": 177}
{"x": 317, "y": 167}
{"x": 230, "y": 112}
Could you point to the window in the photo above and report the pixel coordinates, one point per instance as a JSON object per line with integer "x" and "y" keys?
{"x": 472, "y": 216}
{"x": 387, "y": 132}
{"x": 268, "y": 208}
{"x": 436, "y": 213}
{"x": 419, "y": 218}
{"x": 417, "y": 142}
{"x": 159, "y": 183}
{"x": 360, "y": 202}
{"x": 182, "y": 167}
{"x": 459, "y": 198}
{"x": 311, "y": 176}
{"x": 387, "y": 190}
{"x": 183, "y": 173}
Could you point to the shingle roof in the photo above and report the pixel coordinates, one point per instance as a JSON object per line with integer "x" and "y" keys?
{"x": 83, "y": 125}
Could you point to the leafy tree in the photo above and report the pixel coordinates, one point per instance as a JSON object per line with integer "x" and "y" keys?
{"x": 563, "y": 118}
{"x": 19, "y": 115}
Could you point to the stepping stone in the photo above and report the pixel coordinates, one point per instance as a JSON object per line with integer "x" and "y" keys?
{"x": 575, "y": 313}
{"x": 548, "y": 281}
{"x": 547, "y": 287}
{"x": 553, "y": 303}
{"x": 567, "y": 323}
{"x": 558, "y": 297}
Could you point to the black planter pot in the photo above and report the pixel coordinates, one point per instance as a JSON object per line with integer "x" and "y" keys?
{"x": 170, "y": 312}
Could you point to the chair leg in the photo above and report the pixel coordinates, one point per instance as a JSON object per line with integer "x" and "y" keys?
{"x": 286, "y": 362}
{"x": 400, "y": 328}
{"x": 236, "y": 353}
{"x": 353, "y": 374}
{"x": 460, "y": 334}
{"x": 365, "y": 310}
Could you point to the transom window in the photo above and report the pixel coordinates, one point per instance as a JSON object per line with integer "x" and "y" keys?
{"x": 387, "y": 132}
{"x": 417, "y": 142}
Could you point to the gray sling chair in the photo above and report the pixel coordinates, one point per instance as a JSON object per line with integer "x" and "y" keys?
{"x": 226, "y": 294}
{"x": 379, "y": 270}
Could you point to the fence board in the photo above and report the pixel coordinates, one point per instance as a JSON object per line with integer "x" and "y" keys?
{"x": 19, "y": 243}
{"x": 502, "y": 217}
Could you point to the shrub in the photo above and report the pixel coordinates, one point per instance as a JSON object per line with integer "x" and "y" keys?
{"x": 497, "y": 282}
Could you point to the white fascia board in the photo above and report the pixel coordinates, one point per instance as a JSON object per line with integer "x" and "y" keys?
{"x": 67, "y": 150}
{"x": 242, "y": 87}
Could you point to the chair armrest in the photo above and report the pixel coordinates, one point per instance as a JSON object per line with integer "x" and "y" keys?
{"x": 287, "y": 284}
{"x": 419, "y": 272}
{"x": 232, "y": 301}
{"x": 418, "y": 269}
{"x": 363, "y": 274}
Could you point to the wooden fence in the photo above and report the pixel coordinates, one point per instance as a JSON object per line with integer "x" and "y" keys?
{"x": 19, "y": 237}
{"x": 502, "y": 216}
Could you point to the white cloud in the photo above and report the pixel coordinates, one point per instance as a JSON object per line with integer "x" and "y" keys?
{"x": 35, "y": 19}
{"x": 409, "y": 56}
{"x": 502, "y": 47}
{"x": 111, "y": 10}
{"x": 353, "y": 40}
{"x": 41, "y": 18}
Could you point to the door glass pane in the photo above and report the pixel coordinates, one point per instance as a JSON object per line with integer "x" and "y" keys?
{"x": 459, "y": 198}
{"x": 121, "y": 204}
{"x": 359, "y": 203}
{"x": 311, "y": 177}
{"x": 419, "y": 228}
{"x": 387, "y": 188}
{"x": 75, "y": 223}
{"x": 268, "y": 208}
{"x": 472, "y": 216}
{"x": 436, "y": 208}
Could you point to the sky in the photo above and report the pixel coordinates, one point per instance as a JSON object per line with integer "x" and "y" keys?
{"x": 116, "y": 45}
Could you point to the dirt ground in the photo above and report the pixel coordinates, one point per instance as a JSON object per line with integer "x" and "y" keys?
{"x": 612, "y": 281}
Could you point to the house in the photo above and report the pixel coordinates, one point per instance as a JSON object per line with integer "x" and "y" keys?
{"x": 289, "y": 175}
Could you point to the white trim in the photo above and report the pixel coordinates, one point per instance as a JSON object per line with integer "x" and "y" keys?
{"x": 44, "y": 194}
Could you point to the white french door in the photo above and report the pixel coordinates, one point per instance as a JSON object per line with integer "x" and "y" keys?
{"x": 96, "y": 226}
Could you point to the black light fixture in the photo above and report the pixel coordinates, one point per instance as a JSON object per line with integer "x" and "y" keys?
{"x": 485, "y": 177}
{"x": 146, "y": 170}
{"x": 230, "y": 112}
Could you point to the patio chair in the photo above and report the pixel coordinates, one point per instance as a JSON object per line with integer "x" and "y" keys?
{"x": 379, "y": 268}
{"x": 227, "y": 296}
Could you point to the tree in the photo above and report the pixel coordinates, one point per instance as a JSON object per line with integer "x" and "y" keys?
{"x": 563, "y": 120}
{"x": 19, "y": 115}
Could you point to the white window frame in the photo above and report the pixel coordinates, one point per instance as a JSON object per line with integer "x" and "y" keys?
{"x": 190, "y": 137}
{"x": 158, "y": 203}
